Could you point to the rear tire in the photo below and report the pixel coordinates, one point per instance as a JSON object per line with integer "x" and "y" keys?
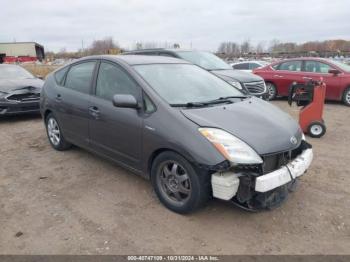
{"x": 271, "y": 91}
{"x": 54, "y": 134}
{"x": 346, "y": 97}
{"x": 178, "y": 185}
{"x": 316, "y": 129}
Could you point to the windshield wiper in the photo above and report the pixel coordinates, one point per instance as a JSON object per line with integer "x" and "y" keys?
{"x": 189, "y": 104}
{"x": 210, "y": 102}
{"x": 223, "y": 99}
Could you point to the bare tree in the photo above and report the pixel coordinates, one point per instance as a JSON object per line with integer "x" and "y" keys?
{"x": 246, "y": 47}
{"x": 99, "y": 47}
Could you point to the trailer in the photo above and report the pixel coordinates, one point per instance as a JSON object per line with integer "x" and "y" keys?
{"x": 19, "y": 52}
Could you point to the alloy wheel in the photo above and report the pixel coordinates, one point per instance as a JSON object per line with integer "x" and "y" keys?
{"x": 347, "y": 97}
{"x": 53, "y": 131}
{"x": 271, "y": 91}
{"x": 174, "y": 182}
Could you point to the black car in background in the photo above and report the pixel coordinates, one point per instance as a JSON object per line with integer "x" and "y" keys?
{"x": 19, "y": 90}
{"x": 246, "y": 82}
{"x": 193, "y": 134}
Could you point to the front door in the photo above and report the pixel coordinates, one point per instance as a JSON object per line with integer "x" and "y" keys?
{"x": 115, "y": 132}
{"x": 316, "y": 70}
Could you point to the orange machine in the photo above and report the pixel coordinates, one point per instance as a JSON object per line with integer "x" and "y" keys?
{"x": 311, "y": 97}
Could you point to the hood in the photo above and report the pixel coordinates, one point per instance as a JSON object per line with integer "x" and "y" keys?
{"x": 260, "y": 124}
{"x": 9, "y": 85}
{"x": 237, "y": 75}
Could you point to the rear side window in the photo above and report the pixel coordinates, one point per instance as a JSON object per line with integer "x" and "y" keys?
{"x": 60, "y": 74}
{"x": 242, "y": 66}
{"x": 79, "y": 77}
{"x": 290, "y": 66}
{"x": 113, "y": 80}
{"x": 316, "y": 67}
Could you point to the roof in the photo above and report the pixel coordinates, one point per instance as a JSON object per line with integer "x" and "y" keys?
{"x": 141, "y": 59}
{"x": 159, "y": 49}
{"x": 14, "y": 43}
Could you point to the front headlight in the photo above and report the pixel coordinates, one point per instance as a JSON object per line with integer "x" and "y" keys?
{"x": 236, "y": 84}
{"x": 232, "y": 148}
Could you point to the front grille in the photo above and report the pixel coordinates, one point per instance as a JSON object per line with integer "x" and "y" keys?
{"x": 24, "y": 97}
{"x": 255, "y": 88}
{"x": 273, "y": 162}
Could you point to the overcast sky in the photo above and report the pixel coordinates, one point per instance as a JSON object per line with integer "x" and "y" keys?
{"x": 204, "y": 23}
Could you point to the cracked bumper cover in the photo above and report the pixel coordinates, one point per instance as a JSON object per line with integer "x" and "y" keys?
{"x": 286, "y": 173}
{"x": 9, "y": 108}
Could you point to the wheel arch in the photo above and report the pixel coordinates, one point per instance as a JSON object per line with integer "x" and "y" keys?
{"x": 46, "y": 113}
{"x": 272, "y": 82}
{"x": 159, "y": 151}
{"x": 347, "y": 87}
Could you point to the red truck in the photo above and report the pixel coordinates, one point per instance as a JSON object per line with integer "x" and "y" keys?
{"x": 280, "y": 75}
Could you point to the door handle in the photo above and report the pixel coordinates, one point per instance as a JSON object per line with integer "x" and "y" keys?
{"x": 94, "y": 112}
{"x": 278, "y": 76}
{"x": 58, "y": 98}
{"x": 307, "y": 78}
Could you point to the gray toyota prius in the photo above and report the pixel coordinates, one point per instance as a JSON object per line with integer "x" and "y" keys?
{"x": 191, "y": 133}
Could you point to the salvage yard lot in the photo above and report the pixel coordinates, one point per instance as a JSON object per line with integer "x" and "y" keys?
{"x": 76, "y": 203}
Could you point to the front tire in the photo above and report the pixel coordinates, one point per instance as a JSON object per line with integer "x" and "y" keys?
{"x": 271, "y": 91}
{"x": 55, "y": 135}
{"x": 346, "y": 97}
{"x": 178, "y": 185}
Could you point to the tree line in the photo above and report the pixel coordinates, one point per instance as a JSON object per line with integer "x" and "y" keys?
{"x": 275, "y": 47}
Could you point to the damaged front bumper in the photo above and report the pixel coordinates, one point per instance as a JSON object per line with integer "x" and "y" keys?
{"x": 286, "y": 173}
{"x": 254, "y": 191}
{"x": 20, "y": 101}
{"x": 13, "y": 108}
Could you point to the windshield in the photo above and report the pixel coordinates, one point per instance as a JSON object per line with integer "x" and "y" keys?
{"x": 341, "y": 65}
{"x": 185, "y": 83}
{"x": 205, "y": 60}
{"x": 14, "y": 72}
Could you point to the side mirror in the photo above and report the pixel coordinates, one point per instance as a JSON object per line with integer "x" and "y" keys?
{"x": 334, "y": 71}
{"x": 125, "y": 101}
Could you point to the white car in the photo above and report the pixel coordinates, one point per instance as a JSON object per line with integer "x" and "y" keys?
{"x": 248, "y": 66}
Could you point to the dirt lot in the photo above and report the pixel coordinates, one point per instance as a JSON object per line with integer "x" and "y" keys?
{"x": 76, "y": 203}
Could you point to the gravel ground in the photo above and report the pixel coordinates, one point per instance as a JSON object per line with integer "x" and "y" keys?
{"x": 76, "y": 203}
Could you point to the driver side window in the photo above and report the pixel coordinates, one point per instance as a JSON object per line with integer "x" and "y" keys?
{"x": 113, "y": 80}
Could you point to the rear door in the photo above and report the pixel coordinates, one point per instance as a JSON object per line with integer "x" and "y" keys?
{"x": 317, "y": 70}
{"x": 285, "y": 74}
{"x": 72, "y": 101}
{"x": 115, "y": 132}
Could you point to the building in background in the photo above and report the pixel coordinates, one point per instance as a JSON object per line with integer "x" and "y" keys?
{"x": 21, "y": 52}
